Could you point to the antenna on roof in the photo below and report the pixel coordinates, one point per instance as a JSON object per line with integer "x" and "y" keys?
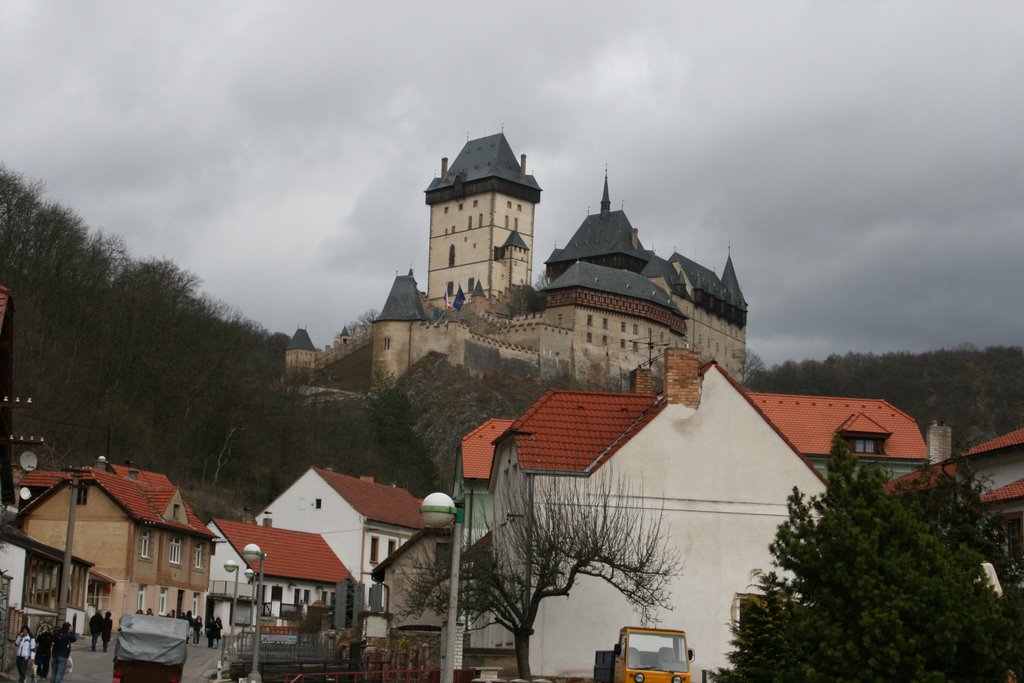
{"x": 467, "y": 136}
{"x": 502, "y": 126}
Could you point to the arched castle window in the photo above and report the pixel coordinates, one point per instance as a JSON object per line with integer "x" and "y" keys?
{"x": 451, "y": 256}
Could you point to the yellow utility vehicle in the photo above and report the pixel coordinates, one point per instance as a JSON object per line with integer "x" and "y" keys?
{"x": 646, "y": 655}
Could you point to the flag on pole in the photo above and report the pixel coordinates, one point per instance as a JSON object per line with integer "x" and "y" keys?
{"x": 460, "y": 299}
{"x": 447, "y": 303}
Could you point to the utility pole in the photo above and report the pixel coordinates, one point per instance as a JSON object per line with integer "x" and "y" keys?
{"x": 69, "y": 543}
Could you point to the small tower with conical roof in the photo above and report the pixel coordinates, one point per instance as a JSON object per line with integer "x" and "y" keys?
{"x": 481, "y": 221}
{"x": 393, "y": 328}
{"x": 300, "y": 356}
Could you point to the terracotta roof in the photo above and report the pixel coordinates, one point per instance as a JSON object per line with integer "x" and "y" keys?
{"x": 478, "y": 448}
{"x": 1014, "y": 438}
{"x": 376, "y": 502}
{"x": 924, "y": 478}
{"x": 290, "y": 554}
{"x": 810, "y": 422}
{"x": 573, "y": 431}
{"x": 141, "y": 498}
{"x": 1013, "y": 491}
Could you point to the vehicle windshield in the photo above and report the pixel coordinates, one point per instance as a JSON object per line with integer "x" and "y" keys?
{"x": 657, "y": 652}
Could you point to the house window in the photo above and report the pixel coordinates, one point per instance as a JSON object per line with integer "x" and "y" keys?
{"x": 174, "y": 557}
{"x": 509, "y": 204}
{"x": 81, "y": 494}
{"x": 472, "y": 282}
{"x": 392, "y": 543}
{"x": 42, "y": 583}
{"x": 590, "y": 321}
{"x": 519, "y": 207}
{"x": 276, "y": 594}
{"x": 144, "y": 552}
{"x": 604, "y": 323}
{"x": 174, "y": 511}
{"x": 634, "y": 347}
{"x": 741, "y": 604}
{"x": 197, "y": 556}
{"x": 305, "y": 596}
{"x": 387, "y": 343}
{"x": 140, "y": 599}
{"x": 318, "y": 503}
{"x": 474, "y": 202}
{"x": 622, "y": 343}
{"x": 451, "y": 256}
{"x": 561, "y": 318}
{"x": 469, "y": 222}
{"x": 460, "y": 207}
{"x": 604, "y": 339}
{"x": 622, "y": 327}
{"x": 865, "y": 446}
{"x": 446, "y": 209}
{"x": 480, "y": 221}
{"x": 517, "y": 224}
{"x": 636, "y": 329}
{"x": 590, "y": 337}
{"x": 1013, "y": 531}
{"x": 195, "y": 603}
{"x": 163, "y": 600}
{"x": 451, "y": 286}
{"x": 374, "y": 549}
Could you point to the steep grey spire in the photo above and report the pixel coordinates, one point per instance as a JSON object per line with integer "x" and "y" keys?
{"x": 301, "y": 341}
{"x": 404, "y": 301}
{"x": 732, "y": 284}
{"x": 606, "y": 203}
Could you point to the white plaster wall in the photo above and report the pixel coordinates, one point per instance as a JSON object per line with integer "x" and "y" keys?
{"x": 1000, "y": 470}
{"x": 12, "y": 562}
{"x": 722, "y": 475}
{"x": 336, "y": 520}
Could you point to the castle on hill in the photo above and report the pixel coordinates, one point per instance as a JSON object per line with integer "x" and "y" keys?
{"x": 610, "y": 304}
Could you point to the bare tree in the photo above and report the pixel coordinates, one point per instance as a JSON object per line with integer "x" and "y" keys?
{"x": 363, "y": 322}
{"x": 549, "y": 531}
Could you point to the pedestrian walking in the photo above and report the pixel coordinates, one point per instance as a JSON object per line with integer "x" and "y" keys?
{"x": 197, "y": 629}
{"x": 62, "y": 640}
{"x": 108, "y": 628}
{"x": 95, "y": 628}
{"x": 210, "y": 626}
{"x": 24, "y": 650}
{"x": 218, "y": 628}
{"x": 44, "y": 646}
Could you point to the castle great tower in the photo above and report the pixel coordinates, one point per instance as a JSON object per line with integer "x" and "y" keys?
{"x": 482, "y": 212}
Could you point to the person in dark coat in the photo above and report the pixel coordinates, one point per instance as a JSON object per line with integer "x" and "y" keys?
{"x": 108, "y": 628}
{"x": 218, "y": 629}
{"x": 95, "y": 628}
{"x": 62, "y": 640}
{"x": 197, "y": 629}
{"x": 44, "y": 646}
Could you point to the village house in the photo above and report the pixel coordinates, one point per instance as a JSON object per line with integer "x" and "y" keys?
{"x": 362, "y": 521}
{"x": 712, "y": 459}
{"x": 133, "y": 525}
{"x": 300, "y": 572}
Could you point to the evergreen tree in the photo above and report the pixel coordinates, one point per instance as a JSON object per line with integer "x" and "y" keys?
{"x": 874, "y": 595}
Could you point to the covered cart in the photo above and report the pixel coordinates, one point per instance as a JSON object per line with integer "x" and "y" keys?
{"x": 150, "y": 649}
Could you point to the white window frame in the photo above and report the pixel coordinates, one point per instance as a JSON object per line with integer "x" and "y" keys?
{"x": 163, "y": 600}
{"x": 197, "y": 556}
{"x": 195, "y": 604}
{"x": 174, "y": 554}
{"x": 140, "y": 601}
{"x": 144, "y": 552}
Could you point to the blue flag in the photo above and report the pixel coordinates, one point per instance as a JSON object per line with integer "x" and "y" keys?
{"x": 460, "y": 299}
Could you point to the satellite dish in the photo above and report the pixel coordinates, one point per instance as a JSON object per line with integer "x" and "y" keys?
{"x": 25, "y": 493}
{"x": 29, "y": 461}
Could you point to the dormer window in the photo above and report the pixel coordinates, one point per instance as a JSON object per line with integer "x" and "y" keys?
{"x": 868, "y": 446}
{"x": 174, "y": 511}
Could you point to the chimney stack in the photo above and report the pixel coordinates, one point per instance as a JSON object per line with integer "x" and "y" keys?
{"x": 940, "y": 441}
{"x": 133, "y": 474}
{"x": 268, "y": 519}
{"x": 522, "y": 165}
{"x": 101, "y": 464}
{"x": 444, "y": 168}
{"x": 640, "y": 381}
{"x": 682, "y": 378}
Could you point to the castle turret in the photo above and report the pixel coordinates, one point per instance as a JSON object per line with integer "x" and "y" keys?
{"x": 392, "y": 329}
{"x": 300, "y": 354}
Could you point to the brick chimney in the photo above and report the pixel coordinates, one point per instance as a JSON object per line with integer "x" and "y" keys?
{"x": 940, "y": 441}
{"x": 682, "y": 381}
{"x": 640, "y": 381}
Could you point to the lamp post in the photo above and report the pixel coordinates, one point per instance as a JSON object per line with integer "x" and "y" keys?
{"x": 231, "y": 567}
{"x": 249, "y": 573}
{"x": 439, "y": 511}
{"x": 252, "y": 552}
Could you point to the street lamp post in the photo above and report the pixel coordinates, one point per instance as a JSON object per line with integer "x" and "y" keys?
{"x": 231, "y": 567}
{"x": 252, "y": 552}
{"x": 249, "y": 573}
{"x": 439, "y": 511}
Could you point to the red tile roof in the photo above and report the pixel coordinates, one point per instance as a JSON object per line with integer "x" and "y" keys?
{"x": 1013, "y": 491}
{"x": 1014, "y": 438}
{"x": 290, "y": 554}
{"x": 573, "y": 431}
{"x": 376, "y": 502}
{"x": 144, "y": 502}
{"x": 478, "y": 448}
{"x": 810, "y": 422}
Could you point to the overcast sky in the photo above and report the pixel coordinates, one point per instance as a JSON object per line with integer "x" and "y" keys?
{"x": 864, "y": 159}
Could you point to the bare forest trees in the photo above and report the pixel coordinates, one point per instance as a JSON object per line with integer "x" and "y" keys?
{"x": 550, "y": 532}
